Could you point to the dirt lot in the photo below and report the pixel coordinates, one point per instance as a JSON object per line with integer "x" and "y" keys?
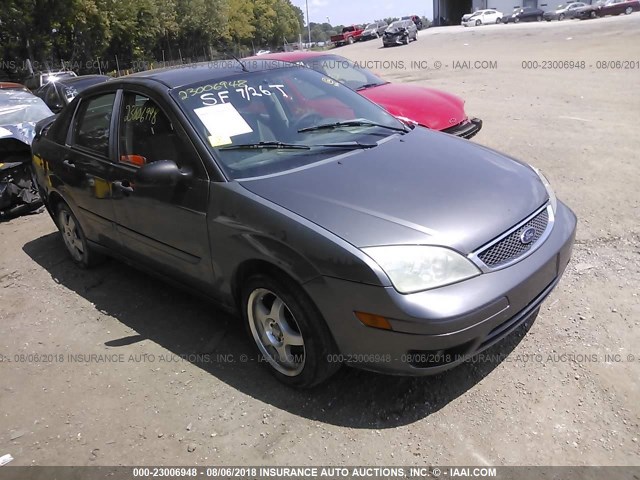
{"x": 547, "y": 396}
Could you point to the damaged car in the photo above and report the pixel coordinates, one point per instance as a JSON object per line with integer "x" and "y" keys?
{"x": 19, "y": 112}
{"x": 400, "y": 33}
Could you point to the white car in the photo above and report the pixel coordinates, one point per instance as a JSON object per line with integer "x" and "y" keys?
{"x": 482, "y": 17}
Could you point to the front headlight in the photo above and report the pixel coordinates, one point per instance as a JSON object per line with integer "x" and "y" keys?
{"x": 412, "y": 268}
{"x": 552, "y": 195}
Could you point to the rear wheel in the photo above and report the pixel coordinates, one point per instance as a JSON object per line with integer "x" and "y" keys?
{"x": 350, "y": 40}
{"x": 75, "y": 239}
{"x": 516, "y": 20}
{"x": 592, "y": 14}
{"x": 561, "y": 17}
{"x": 289, "y": 332}
{"x": 628, "y": 10}
{"x": 539, "y": 18}
{"x": 498, "y": 20}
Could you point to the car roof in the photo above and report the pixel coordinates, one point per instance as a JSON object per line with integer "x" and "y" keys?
{"x": 290, "y": 56}
{"x": 12, "y": 86}
{"x": 81, "y": 79}
{"x": 187, "y": 74}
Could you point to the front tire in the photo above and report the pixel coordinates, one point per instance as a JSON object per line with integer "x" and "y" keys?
{"x": 561, "y": 17}
{"x": 628, "y": 11}
{"x": 516, "y": 20}
{"x": 75, "y": 239}
{"x": 539, "y": 18}
{"x": 350, "y": 40}
{"x": 498, "y": 20}
{"x": 478, "y": 23}
{"x": 288, "y": 330}
{"x": 592, "y": 14}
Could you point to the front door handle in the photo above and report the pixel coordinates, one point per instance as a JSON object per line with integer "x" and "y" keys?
{"x": 124, "y": 186}
{"x": 69, "y": 163}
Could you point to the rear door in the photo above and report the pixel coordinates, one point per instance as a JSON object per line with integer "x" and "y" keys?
{"x": 86, "y": 167}
{"x": 163, "y": 227}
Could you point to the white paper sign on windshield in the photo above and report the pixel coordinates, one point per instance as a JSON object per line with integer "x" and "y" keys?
{"x": 4, "y": 132}
{"x": 223, "y": 120}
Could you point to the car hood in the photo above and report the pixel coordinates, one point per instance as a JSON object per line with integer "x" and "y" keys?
{"x": 421, "y": 188}
{"x": 23, "y": 132}
{"x": 429, "y": 107}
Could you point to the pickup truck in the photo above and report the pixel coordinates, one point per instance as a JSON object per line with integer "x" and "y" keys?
{"x": 349, "y": 35}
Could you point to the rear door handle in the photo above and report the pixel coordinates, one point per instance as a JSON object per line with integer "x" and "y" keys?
{"x": 120, "y": 185}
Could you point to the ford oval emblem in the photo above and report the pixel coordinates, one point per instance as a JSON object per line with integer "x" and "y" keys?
{"x": 528, "y": 235}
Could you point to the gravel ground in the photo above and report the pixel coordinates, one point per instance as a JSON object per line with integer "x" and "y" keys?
{"x": 563, "y": 391}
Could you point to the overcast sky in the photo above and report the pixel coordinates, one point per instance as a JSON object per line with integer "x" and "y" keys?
{"x": 346, "y": 12}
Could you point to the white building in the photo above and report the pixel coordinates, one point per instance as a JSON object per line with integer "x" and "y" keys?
{"x": 453, "y": 10}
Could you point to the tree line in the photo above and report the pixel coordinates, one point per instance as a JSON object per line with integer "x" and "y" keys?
{"x": 79, "y": 32}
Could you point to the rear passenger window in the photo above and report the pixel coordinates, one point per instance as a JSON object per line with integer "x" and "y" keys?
{"x": 93, "y": 124}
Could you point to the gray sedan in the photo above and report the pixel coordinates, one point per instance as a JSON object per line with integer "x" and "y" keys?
{"x": 336, "y": 232}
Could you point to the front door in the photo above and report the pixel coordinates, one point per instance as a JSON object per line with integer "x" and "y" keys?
{"x": 164, "y": 227}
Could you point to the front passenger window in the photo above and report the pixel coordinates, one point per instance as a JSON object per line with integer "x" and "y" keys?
{"x": 146, "y": 133}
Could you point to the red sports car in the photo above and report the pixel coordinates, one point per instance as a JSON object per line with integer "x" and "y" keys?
{"x": 428, "y": 107}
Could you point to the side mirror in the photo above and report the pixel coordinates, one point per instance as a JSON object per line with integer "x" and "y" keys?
{"x": 163, "y": 173}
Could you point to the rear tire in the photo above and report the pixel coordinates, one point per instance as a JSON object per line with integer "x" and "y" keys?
{"x": 288, "y": 331}
{"x": 592, "y": 14}
{"x": 628, "y": 11}
{"x": 74, "y": 238}
{"x": 561, "y": 17}
{"x": 350, "y": 40}
{"x": 498, "y": 20}
{"x": 539, "y": 18}
{"x": 516, "y": 20}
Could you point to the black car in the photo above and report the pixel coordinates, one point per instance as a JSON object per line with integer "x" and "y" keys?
{"x": 58, "y": 93}
{"x": 610, "y": 7}
{"x": 400, "y": 32}
{"x": 526, "y": 14}
{"x": 564, "y": 11}
{"x": 339, "y": 233}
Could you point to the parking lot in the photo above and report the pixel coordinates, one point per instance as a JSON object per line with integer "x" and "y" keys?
{"x": 111, "y": 366}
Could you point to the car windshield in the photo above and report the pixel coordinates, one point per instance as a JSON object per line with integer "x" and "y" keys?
{"x": 266, "y": 122}
{"x": 371, "y": 26}
{"x": 398, "y": 24}
{"x": 17, "y": 107}
{"x": 343, "y": 70}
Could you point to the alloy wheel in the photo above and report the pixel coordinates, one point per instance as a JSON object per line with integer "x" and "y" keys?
{"x": 276, "y": 332}
{"x": 71, "y": 235}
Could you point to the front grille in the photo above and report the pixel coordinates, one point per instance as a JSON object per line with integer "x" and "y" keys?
{"x": 511, "y": 247}
{"x": 465, "y": 129}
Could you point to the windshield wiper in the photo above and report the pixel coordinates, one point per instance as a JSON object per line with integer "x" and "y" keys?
{"x": 370, "y": 85}
{"x": 267, "y": 145}
{"x": 350, "y": 123}
{"x": 347, "y": 145}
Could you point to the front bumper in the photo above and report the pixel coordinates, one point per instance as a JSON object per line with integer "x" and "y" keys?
{"x": 394, "y": 40}
{"x": 467, "y": 129}
{"x": 437, "y": 329}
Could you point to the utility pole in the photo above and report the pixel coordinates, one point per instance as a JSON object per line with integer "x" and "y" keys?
{"x": 308, "y": 22}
